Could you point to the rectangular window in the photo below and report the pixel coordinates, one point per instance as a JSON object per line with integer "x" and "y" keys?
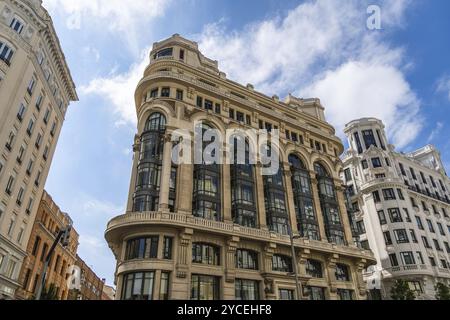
{"x": 369, "y": 139}
{"x": 181, "y": 54}
{"x": 358, "y": 142}
{"x": 364, "y": 164}
{"x": 402, "y": 169}
{"x": 31, "y": 84}
{"x": 430, "y": 226}
{"x": 414, "y": 203}
{"x": 388, "y": 194}
{"x": 239, "y": 116}
{"x": 420, "y": 257}
{"x": 376, "y": 162}
{"x": 382, "y": 217}
{"x": 154, "y": 93}
{"x": 388, "y": 162}
{"x": 165, "y": 92}
{"x": 401, "y": 236}
{"x": 16, "y": 25}
{"x": 180, "y": 95}
{"x": 425, "y": 242}
{"x": 376, "y": 197}
{"x": 408, "y": 258}
{"x": 348, "y": 175}
{"x": 387, "y": 238}
{"x": 247, "y": 290}
{"x": 231, "y": 113}
{"x": 400, "y": 194}
{"x": 205, "y": 287}
{"x": 167, "y": 251}
{"x": 413, "y": 236}
{"x": 47, "y": 115}
{"x": 20, "y": 196}
{"x": 248, "y": 120}
{"x": 419, "y": 223}
{"x": 423, "y": 177}
{"x": 21, "y": 112}
{"x": 9, "y": 185}
{"x": 164, "y": 287}
{"x": 217, "y": 108}
{"x": 437, "y": 245}
{"x": 208, "y": 105}
{"x": 286, "y": 295}
{"x": 432, "y": 261}
{"x": 441, "y": 229}
{"x": 413, "y": 174}
{"x": 395, "y": 215}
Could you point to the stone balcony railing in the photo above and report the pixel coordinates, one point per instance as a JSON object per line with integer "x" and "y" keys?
{"x": 187, "y": 221}
{"x": 375, "y": 181}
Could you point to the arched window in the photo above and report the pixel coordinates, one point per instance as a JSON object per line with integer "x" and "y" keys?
{"x": 303, "y": 200}
{"x": 329, "y": 204}
{"x": 275, "y": 202}
{"x": 243, "y": 204}
{"x": 206, "y": 202}
{"x": 148, "y": 182}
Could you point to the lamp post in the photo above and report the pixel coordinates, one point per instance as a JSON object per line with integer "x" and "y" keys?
{"x": 294, "y": 261}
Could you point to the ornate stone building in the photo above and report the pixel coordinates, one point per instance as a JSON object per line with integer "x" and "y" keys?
{"x": 35, "y": 91}
{"x": 197, "y": 231}
{"x": 401, "y": 204}
{"x": 89, "y": 286}
{"x": 49, "y": 221}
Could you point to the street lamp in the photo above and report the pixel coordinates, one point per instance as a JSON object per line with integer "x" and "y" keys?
{"x": 294, "y": 260}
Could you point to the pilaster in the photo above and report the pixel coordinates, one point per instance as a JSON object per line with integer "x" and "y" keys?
{"x": 317, "y": 206}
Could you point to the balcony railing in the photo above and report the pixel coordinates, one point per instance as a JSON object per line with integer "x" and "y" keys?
{"x": 412, "y": 188}
{"x": 411, "y": 267}
{"x": 188, "y": 221}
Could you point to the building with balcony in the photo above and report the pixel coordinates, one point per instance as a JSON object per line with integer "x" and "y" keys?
{"x": 35, "y": 91}
{"x": 49, "y": 221}
{"x": 89, "y": 286}
{"x": 401, "y": 207}
{"x": 218, "y": 231}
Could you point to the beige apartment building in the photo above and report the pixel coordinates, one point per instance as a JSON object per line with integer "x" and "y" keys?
{"x": 221, "y": 231}
{"x": 35, "y": 91}
{"x": 49, "y": 221}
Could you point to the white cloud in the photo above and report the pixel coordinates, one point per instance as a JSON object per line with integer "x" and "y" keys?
{"x": 437, "y": 129}
{"x": 444, "y": 85}
{"x": 323, "y": 48}
{"x": 96, "y": 208}
{"x": 125, "y": 18}
{"x": 119, "y": 89}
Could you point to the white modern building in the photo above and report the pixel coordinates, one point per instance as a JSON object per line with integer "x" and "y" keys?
{"x": 401, "y": 208}
{"x": 35, "y": 91}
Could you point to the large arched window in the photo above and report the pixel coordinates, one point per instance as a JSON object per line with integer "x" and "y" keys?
{"x": 243, "y": 204}
{"x": 148, "y": 181}
{"x": 303, "y": 200}
{"x": 275, "y": 202}
{"x": 329, "y": 204}
{"x": 206, "y": 202}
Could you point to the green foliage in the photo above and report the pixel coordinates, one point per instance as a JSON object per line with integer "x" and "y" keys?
{"x": 49, "y": 293}
{"x": 442, "y": 291}
{"x": 401, "y": 291}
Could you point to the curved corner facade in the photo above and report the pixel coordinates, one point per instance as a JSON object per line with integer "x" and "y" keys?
{"x": 401, "y": 205}
{"x": 222, "y": 231}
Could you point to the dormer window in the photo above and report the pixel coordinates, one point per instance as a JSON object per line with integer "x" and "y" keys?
{"x": 168, "y": 52}
{"x": 16, "y": 25}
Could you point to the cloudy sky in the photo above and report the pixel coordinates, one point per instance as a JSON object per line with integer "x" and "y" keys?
{"x": 400, "y": 74}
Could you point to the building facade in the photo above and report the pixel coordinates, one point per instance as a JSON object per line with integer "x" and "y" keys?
{"x": 198, "y": 231}
{"x": 109, "y": 293}
{"x": 401, "y": 204}
{"x": 49, "y": 221}
{"x": 35, "y": 89}
{"x": 89, "y": 286}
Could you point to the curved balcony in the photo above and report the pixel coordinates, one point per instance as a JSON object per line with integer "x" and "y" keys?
{"x": 395, "y": 182}
{"x": 413, "y": 269}
{"x": 122, "y": 225}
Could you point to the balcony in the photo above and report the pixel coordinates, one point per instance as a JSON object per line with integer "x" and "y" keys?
{"x": 375, "y": 181}
{"x": 414, "y": 189}
{"x": 408, "y": 269}
{"x": 123, "y": 224}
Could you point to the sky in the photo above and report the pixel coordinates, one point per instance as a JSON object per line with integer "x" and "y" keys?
{"x": 399, "y": 73}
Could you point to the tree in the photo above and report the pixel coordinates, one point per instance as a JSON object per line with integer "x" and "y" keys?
{"x": 401, "y": 291}
{"x": 442, "y": 291}
{"x": 49, "y": 293}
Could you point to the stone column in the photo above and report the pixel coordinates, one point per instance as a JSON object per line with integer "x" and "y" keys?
{"x": 331, "y": 271}
{"x": 184, "y": 245}
{"x": 136, "y": 155}
{"x": 290, "y": 198}
{"x": 343, "y": 211}
{"x": 185, "y": 185}
{"x": 317, "y": 206}
{"x": 165, "y": 174}
{"x": 226, "y": 192}
{"x": 269, "y": 287}
{"x": 261, "y": 207}
{"x": 230, "y": 259}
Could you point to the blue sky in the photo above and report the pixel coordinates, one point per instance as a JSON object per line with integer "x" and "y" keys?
{"x": 323, "y": 49}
